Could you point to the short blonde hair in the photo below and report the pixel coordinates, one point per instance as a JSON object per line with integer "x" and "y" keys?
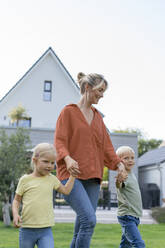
{"x": 93, "y": 79}
{"x": 122, "y": 149}
{"x": 42, "y": 149}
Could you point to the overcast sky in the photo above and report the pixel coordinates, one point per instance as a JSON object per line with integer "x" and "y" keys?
{"x": 122, "y": 39}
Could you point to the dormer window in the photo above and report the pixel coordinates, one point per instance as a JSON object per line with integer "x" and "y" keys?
{"x": 47, "y": 95}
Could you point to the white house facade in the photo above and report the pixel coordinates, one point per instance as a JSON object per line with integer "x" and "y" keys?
{"x": 152, "y": 170}
{"x": 43, "y": 91}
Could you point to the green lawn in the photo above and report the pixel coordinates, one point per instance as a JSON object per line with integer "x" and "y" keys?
{"x": 105, "y": 236}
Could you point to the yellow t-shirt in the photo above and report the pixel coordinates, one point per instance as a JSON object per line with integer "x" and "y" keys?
{"x": 37, "y": 200}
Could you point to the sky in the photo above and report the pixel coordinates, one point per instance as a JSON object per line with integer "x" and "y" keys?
{"x": 124, "y": 40}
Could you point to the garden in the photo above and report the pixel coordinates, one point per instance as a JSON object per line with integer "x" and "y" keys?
{"x": 105, "y": 235}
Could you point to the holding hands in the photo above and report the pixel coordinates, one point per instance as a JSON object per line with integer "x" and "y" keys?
{"x": 122, "y": 173}
{"x": 72, "y": 166}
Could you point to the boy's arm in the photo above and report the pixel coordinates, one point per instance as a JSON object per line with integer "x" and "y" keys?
{"x": 15, "y": 210}
{"x": 66, "y": 189}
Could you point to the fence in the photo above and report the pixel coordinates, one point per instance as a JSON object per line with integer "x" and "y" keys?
{"x": 106, "y": 199}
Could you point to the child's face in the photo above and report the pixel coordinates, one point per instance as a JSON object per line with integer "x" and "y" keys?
{"x": 44, "y": 164}
{"x": 128, "y": 158}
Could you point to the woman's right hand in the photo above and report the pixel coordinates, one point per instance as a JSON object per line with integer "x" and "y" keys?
{"x": 72, "y": 166}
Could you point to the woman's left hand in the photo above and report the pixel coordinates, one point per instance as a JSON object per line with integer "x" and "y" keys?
{"x": 122, "y": 173}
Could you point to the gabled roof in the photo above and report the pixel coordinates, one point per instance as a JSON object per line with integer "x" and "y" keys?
{"x": 152, "y": 157}
{"x": 48, "y": 51}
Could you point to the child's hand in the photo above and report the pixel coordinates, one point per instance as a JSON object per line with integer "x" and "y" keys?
{"x": 17, "y": 221}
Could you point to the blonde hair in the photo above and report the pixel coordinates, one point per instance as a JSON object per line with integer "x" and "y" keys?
{"x": 42, "y": 149}
{"x": 122, "y": 149}
{"x": 93, "y": 79}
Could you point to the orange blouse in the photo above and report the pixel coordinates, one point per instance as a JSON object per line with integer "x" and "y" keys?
{"x": 89, "y": 145}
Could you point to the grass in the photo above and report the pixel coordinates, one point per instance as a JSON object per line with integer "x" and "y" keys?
{"x": 105, "y": 236}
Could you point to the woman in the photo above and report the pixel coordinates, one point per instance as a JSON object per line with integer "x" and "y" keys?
{"x": 83, "y": 149}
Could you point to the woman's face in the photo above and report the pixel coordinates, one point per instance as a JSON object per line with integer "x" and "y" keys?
{"x": 96, "y": 93}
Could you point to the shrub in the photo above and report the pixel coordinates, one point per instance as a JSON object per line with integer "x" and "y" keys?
{"x": 158, "y": 214}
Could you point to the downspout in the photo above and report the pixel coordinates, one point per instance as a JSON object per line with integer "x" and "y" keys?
{"x": 161, "y": 181}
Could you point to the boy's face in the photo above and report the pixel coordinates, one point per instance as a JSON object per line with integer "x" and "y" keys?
{"x": 128, "y": 158}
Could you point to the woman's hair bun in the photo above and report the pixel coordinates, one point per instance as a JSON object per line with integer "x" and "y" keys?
{"x": 80, "y": 75}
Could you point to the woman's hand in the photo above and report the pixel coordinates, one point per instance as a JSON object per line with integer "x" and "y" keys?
{"x": 72, "y": 166}
{"x": 122, "y": 173}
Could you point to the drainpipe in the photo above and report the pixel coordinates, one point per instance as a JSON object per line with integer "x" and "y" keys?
{"x": 160, "y": 168}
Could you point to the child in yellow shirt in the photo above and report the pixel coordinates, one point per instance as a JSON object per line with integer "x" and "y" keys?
{"x": 35, "y": 191}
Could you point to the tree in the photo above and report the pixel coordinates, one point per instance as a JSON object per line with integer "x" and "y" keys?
{"x": 144, "y": 144}
{"x": 18, "y": 113}
{"x": 137, "y": 131}
{"x": 105, "y": 174}
{"x": 13, "y": 163}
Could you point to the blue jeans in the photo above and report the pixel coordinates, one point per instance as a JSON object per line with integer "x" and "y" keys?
{"x": 42, "y": 237}
{"x": 83, "y": 199}
{"x": 130, "y": 233}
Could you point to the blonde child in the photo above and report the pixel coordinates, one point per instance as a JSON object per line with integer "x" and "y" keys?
{"x": 35, "y": 191}
{"x": 129, "y": 202}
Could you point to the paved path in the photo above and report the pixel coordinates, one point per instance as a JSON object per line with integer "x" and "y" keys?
{"x": 67, "y": 215}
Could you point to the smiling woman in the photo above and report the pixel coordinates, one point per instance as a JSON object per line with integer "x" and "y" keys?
{"x": 83, "y": 145}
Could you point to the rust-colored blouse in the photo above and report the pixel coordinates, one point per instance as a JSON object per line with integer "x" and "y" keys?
{"x": 89, "y": 145}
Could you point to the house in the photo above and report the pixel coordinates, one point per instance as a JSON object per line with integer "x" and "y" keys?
{"x": 43, "y": 91}
{"x": 152, "y": 177}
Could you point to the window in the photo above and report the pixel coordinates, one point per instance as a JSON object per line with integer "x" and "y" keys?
{"x": 47, "y": 96}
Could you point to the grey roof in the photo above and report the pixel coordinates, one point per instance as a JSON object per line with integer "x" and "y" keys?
{"x": 152, "y": 157}
{"x": 46, "y": 52}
